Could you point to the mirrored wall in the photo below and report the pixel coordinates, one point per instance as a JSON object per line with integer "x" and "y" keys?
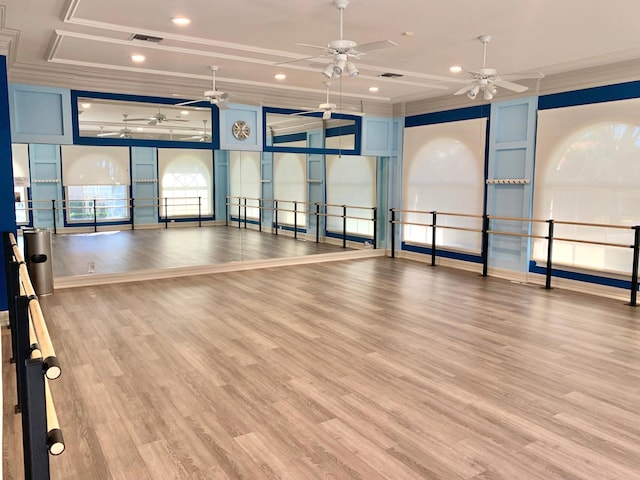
{"x": 300, "y": 132}
{"x": 104, "y": 118}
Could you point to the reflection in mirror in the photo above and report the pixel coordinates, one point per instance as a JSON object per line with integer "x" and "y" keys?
{"x": 105, "y": 118}
{"x": 301, "y": 132}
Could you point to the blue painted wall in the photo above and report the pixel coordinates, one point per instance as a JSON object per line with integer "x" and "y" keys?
{"x": 511, "y": 153}
{"x": 46, "y": 184}
{"x": 40, "y": 114}
{"x": 144, "y": 184}
{"x": 7, "y": 204}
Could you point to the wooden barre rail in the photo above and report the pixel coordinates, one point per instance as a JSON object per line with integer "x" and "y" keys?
{"x": 560, "y": 222}
{"x": 52, "y": 365}
{"x": 55, "y": 440}
{"x": 36, "y": 365}
{"x": 299, "y": 202}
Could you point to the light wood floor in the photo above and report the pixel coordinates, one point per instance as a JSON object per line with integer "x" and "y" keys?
{"x": 365, "y": 369}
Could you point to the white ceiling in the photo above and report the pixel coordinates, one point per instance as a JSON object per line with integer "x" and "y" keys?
{"x": 85, "y": 44}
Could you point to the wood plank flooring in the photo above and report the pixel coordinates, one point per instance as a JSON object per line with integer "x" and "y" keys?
{"x": 365, "y": 369}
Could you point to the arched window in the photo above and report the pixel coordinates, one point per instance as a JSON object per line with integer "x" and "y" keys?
{"x": 444, "y": 171}
{"x": 186, "y": 181}
{"x": 590, "y": 175}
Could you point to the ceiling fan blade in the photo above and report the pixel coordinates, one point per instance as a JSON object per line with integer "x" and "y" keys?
{"x": 222, "y": 105}
{"x": 522, "y": 75}
{"x": 175, "y": 120}
{"x": 110, "y": 134}
{"x": 312, "y": 46}
{"x": 190, "y": 102}
{"x": 464, "y": 89}
{"x": 368, "y": 47}
{"x": 510, "y": 86}
{"x": 145, "y": 119}
{"x": 298, "y": 59}
{"x": 306, "y": 112}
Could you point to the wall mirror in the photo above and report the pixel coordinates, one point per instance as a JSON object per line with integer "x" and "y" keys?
{"x": 289, "y": 130}
{"x": 107, "y": 120}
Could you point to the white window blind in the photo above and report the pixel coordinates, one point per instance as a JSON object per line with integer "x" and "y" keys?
{"x": 95, "y": 165}
{"x": 290, "y": 184}
{"x": 20, "y": 155}
{"x": 244, "y": 180}
{"x": 351, "y": 181}
{"x": 588, "y": 170}
{"x": 443, "y": 170}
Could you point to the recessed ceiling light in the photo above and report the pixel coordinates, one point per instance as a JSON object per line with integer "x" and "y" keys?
{"x": 455, "y": 69}
{"x": 181, "y": 21}
{"x": 280, "y": 76}
{"x": 373, "y": 89}
{"x": 138, "y": 58}
{"x": 85, "y": 105}
{"x": 184, "y": 112}
{"x": 139, "y": 129}
{"x": 408, "y": 34}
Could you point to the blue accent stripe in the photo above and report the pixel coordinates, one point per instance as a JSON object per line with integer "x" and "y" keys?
{"x": 581, "y": 277}
{"x": 292, "y": 137}
{"x": 350, "y": 238}
{"x": 467, "y": 113}
{"x": 466, "y": 257}
{"x": 608, "y": 93}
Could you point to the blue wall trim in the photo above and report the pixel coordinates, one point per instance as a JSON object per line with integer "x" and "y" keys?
{"x": 581, "y": 277}
{"x": 467, "y": 113}
{"x": 608, "y": 93}
{"x": 351, "y": 238}
{"x": 467, "y": 257}
{"x": 78, "y": 140}
{"x": 7, "y": 200}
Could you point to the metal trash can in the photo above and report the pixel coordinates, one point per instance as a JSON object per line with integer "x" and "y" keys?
{"x": 37, "y": 255}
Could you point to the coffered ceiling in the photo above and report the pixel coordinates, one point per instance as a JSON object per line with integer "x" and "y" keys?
{"x": 87, "y": 44}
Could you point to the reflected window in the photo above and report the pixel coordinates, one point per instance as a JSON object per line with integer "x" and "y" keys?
{"x": 186, "y": 182}
{"x": 100, "y": 202}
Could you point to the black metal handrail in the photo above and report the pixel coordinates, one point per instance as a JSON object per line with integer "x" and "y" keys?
{"x": 36, "y": 364}
{"x": 313, "y": 209}
{"x": 486, "y": 232}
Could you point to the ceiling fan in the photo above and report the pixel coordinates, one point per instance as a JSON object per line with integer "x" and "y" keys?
{"x": 326, "y": 108}
{"x": 342, "y": 51}
{"x": 125, "y": 132}
{"x": 213, "y": 96}
{"x": 157, "y": 119}
{"x": 486, "y": 80}
{"x": 203, "y": 136}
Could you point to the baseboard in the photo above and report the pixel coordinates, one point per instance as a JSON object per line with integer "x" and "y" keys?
{"x": 156, "y": 274}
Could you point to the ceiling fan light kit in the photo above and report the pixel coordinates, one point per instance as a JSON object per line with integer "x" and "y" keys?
{"x": 342, "y": 51}
{"x": 486, "y": 80}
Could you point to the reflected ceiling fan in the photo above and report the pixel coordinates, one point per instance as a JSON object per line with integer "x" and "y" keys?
{"x": 342, "y": 51}
{"x": 327, "y": 108}
{"x": 125, "y": 132}
{"x": 213, "y": 96}
{"x": 201, "y": 137}
{"x": 486, "y": 80}
{"x": 157, "y": 119}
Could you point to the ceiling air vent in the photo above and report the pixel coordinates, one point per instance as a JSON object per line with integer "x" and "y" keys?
{"x": 391, "y": 75}
{"x": 145, "y": 38}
